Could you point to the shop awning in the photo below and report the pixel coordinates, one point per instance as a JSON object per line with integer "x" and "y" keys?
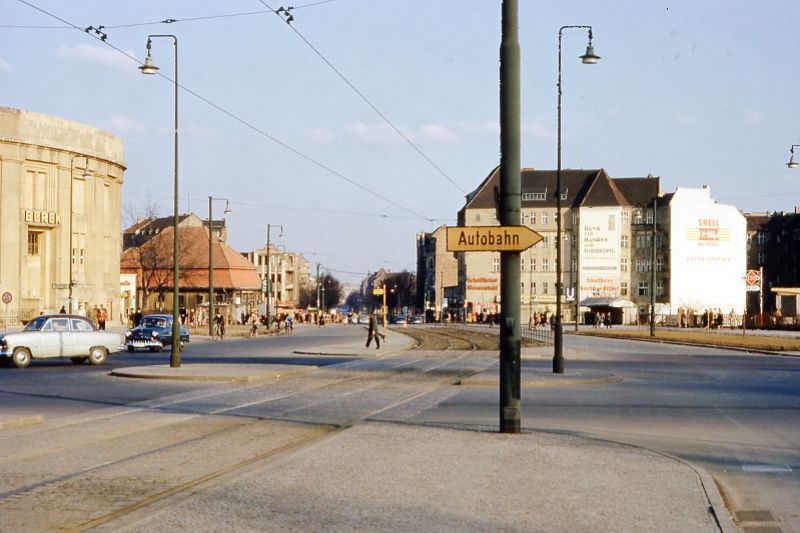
{"x": 607, "y": 301}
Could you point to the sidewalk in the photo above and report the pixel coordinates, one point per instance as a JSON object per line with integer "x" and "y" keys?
{"x": 379, "y": 476}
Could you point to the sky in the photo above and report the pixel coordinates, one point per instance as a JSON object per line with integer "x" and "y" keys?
{"x": 364, "y": 122}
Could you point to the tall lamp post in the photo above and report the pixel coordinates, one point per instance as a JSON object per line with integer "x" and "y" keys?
{"x": 86, "y": 175}
{"x": 269, "y": 278}
{"x": 588, "y": 58}
{"x": 149, "y": 68}
{"x": 211, "y": 261}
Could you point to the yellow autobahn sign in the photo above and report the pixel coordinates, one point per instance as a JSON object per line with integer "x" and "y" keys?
{"x": 491, "y": 238}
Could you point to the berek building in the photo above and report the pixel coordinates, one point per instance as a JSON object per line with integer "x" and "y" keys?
{"x": 60, "y": 186}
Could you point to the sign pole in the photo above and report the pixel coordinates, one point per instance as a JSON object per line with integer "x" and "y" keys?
{"x": 509, "y": 214}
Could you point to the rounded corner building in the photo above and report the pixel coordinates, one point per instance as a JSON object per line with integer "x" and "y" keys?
{"x": 60, "y": 190}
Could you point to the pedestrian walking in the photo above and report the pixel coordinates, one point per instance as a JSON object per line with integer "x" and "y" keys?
{"x": 372, "y": 331}
{"x": 102, "y": 316}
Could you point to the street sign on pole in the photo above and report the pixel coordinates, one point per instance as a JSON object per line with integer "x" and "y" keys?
{"x": 491, "y": 238}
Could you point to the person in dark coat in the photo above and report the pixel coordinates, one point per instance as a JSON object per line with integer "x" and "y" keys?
{"x": 372, "y": 331}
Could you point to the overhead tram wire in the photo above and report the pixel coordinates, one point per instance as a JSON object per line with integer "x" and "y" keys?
{"x": 166, "y": 21}
{"x": 362, "y": 96}
{"x": 298, "y": 208}
{"x": 239, "y": 119}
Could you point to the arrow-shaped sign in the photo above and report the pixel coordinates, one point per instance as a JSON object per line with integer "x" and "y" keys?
{"x": 491, "y": 238}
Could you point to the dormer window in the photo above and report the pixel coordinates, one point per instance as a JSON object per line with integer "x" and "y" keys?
{"x": 535, "y": 195}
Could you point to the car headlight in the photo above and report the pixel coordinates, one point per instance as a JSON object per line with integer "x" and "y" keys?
{"x": 155, "y": 334}
{"x": 127, "y": 334}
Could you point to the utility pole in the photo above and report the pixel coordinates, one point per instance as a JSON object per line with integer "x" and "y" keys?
{"x": 509, "y": 211}
{"x": 653, "y": 271}
{"x": 318, "y": 296}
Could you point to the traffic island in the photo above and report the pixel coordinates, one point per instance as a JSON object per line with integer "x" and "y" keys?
{"x": 247, "y": 373}
{"x": 543, "y": 378}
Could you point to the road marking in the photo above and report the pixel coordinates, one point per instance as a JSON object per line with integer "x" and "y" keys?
{"x": 766, "y": 468}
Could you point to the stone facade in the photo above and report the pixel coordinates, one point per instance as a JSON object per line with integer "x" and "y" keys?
{"x": 53, "y": 220}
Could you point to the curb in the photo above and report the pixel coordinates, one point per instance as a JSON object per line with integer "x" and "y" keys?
{"x": 257, "y": 376}
{"x": 682, "y": 343}
{"x": 611, "y": 378}
{"x": 21, "y": 422}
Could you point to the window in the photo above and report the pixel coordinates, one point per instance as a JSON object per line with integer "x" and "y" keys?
{"x": 545, "y": 287}
{"x": 644, "y": 288}
{"x": 533, "y": 287}
{"x": 637, "y": 217}
{"x": 760, "y": 237}
{"x": 545, "y": 265}
{"x": 533, "y": 263}
{"x": 623, "y": 288}
{"x": 496, "y": 264}
{"x": 624, "y": 218}
{"x": 574, "y": 266}
{"x": 33, "y": 242}
{"x": 644, "y": 241}
{"x": 532, "y": 218}
{"x": 642, "y": 265}
{"x": 534, "y": 195}
{"x": 623, "y": 264}
{"x": 624, "y": 241}
{"x": 612, "y": 222}
{"x": 545, "y": 241}
{"x": 522, "y": 264}
{"x": 477, "y": 217}
{"x": 545, "y": 218}
{"x": 762, "y": 258}
{"x": 659, "y": 288}
{"x": 649, "y": 216}
{"x": 659, "y": 264}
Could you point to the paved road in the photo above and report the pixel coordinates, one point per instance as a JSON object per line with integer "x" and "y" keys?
{"x": 108, "y": 444}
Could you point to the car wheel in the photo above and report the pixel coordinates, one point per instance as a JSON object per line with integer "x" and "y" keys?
{"x": 78, "y": 360}
{"x": 181, "y": 345}
{"x": 21, "y": 358}
{"x": 131, "y": 349}
{"x": 98, "y": 355}
{"x": 159, "y": 348}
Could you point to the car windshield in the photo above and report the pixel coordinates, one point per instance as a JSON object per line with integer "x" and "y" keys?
{"x": 154, "y": 322}
{"x": 36, "y": 324}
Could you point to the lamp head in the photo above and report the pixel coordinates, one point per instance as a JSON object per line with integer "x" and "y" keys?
{"x": 227, "y": 210}
{"x": 792, "y": 163}
{"x": 87, "y": 174}
{"x": 590, "y": 58}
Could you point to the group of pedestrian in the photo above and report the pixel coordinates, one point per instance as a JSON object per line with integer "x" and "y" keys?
{"x": 602, "y": 319}
{"x": 100, "y": 314}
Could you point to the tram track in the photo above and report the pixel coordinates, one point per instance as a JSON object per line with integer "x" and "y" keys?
{"x": 95, "y": 488}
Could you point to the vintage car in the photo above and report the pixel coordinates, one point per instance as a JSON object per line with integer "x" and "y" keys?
{"x": 49, "y": 336}
{"x": 154, "y": 332}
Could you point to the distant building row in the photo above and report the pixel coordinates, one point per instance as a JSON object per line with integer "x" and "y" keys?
{"x": 611, "y": 228}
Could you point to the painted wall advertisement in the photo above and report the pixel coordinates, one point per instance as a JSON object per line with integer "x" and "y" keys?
{"x": 599, "y": 252}
{"x": 708, "y": 253}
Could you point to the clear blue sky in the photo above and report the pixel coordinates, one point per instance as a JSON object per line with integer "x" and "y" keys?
{"x": 695, "y": 92}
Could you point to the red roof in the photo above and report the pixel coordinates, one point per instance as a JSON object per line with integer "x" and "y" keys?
{"x": 231, "y": 269}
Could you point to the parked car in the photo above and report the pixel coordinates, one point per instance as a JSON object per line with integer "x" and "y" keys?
{"x": 50, "y": 336}
{"x": 363, "y": 318}
{"x": 154, "y": 332}
{"x": 417, "y": 320}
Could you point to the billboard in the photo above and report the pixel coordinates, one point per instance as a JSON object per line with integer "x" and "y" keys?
{"x": 599, "y": 252}
{"x": 707, "y": 253}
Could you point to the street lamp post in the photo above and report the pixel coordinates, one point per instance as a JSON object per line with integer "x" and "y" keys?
{"x": 588, "y": 58}
{"x": 211, "y": 262}
{"x": 149, "y": 68}
{"x": 71, "y": 257}
{"x": 269, "y": 278}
